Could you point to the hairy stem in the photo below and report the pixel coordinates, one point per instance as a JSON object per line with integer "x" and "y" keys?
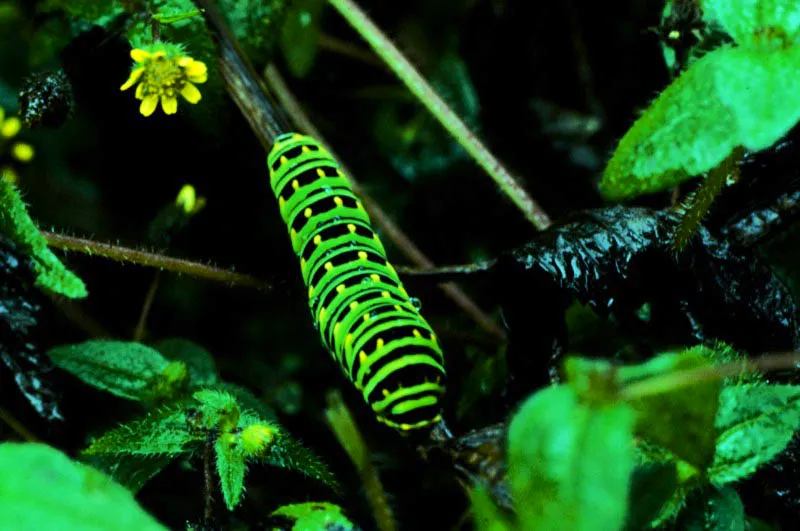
{"x": 148, "y": 259}
{"x": 436, "y": 105}
{"x": 208, "y": 484}
{"x": 394, "y": 233}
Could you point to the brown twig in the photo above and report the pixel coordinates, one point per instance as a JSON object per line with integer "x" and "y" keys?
{"x": 17, "y": 426}
{"x": 378, "y": 215}
{"x": 141, "y": 325}
{"x": 148, "y": 259}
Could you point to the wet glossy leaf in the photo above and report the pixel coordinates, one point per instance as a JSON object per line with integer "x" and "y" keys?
{"x": 756, "y": 22}
{"x": 653, "y": 486}
{"x": 40, "y": 488}
{"x": 713, "y": 509}
{"x": 311, "y": 516}
{"x": 570, "y": 462}
{"x": 202, "y": 368}
{"x": 132, "y": 471}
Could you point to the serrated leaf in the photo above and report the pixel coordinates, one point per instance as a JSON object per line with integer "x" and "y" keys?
{"x": 486, "y": 515}
{"x": 300, "y": 35}
{"x": 756, "y": 22}
{"x": 713, "y": 509}
{"x": 287, "y": 452}
{"x": 165, "y": 431}
{"x": 693, "y": 409}
{"x": 312, "y": 516}
{"x": 730, "y": 97}
{"x": 132, "y": 471}
{"x": 231, "y": 468}
{"x": 41, "y": 488}
{"x": 570, "y": 462}
{"x": 19, "y": 227}
{"x": 218, "y": 410}
{"x": 202, "y": 368}
{"x": 755, "y": 423}
{"x": 126, "y": 369}
{"x": 247, "y": 400}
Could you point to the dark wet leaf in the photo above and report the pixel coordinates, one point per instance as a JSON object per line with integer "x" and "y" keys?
{"x": 19, "y": 328}
{"x": 713, "y": 509}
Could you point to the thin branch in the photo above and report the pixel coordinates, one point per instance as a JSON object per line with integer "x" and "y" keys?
{"x": 447, "y": 272}
{"x": 394, "y": 233}
{"x": 334, "y": 45}
{"x": 454, "y": 125}
{"x": 141, "y": 325}
{"x": 147, "y": 259}
{"x": 17, "y": 426}
{"x": 208, "y": 483}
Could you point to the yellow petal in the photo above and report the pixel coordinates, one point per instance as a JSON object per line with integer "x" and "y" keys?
{"x": 22, "y": 152}
{"x": 169, "y": 104}
{"x": 148, "y": 105}
{"x": 10, "y": 127}
{"x": 195, "y": 68}
{"x": 159, "y": 54}
{"x": 139, "y": 55}
{"x": 139, "y": 91}
{"x": 9, "y": 174}
{"x": 191, "y": 93}
{"x": 134, "y": 77}
{"x": 185, "y": 61}
{"x": 202, "y": 78}
{"x": 187, "y": 198}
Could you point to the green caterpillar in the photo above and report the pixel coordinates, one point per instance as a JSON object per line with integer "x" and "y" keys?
{"x": 366, "y": 319}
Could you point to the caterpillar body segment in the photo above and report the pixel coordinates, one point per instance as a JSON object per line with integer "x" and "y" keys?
{"x": 364, "y": 315}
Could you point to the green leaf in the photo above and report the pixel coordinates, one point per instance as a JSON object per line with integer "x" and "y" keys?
{"x": 85, "y": 9}
{"x": 300, "y": 35}
{"x": 165, "y": 431}
{"x": 132, "y": 471}
{"x": 653, "y": 487}
{"x": 312, "y": 516}
{"x": 569, "y": 463}
{"x": 17, "y": 225}
{"x": 730, "y": 97}
{"x": 755, "y": 423}
{"x": 231, "y": 468}
{"x": 202, "y": 368}
{"x": 218, "y": 410}
{"x": 246, "y": 399}
{"x": 756, "y": 22}
{"x": 486, "y": 514}
{"x": 287, "y": 452}
{"x": 40, "y": 488}
{"x": 126, "y": 369}
{"x": 713, "y": 509}
{"x": 693, "y": 409}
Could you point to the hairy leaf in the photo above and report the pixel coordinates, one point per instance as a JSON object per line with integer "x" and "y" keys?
{"x": 218, "y": 410}
{"x": 246, "y": 399}
{"x": 570, "y": 462}
{"x": 165, "y": 431}
{"x": 756, "y": 22}
{"x": 730, "y": 97}
{"x": 202, "y": 368}
{"x": 755, "y": 422}
{"x": 311, "y": 516}
{"x": 713, "y": 509}
{"x": 287, "y": 452}
{"x": 40, "y": 488}
{"x": 126, "y": 369}
{"x": 17, "y": 225}
{"x": 231, "y": 468}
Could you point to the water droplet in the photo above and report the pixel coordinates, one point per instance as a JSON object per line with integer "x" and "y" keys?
{"x": 416, "y": 303}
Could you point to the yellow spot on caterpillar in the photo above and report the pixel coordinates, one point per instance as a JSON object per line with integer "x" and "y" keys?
{"x": 338, "y": 201}
{"x": 374, "y": 276}
{"x": 366, "y": 317}
{"x": 375, "y": 237}
{"x": 340, "y": 288}
{"x": 385, "y": 294}
{"x": 281, "y": 202}
{"x": 317, "y": 239}
{"x": 339, "y": 172}
{"x": 295, "y": 184}
{"x": 362, "y": 255}
{"x": 307, "y": 212}
{"x": 354, "y": 305}
{"x": 336, "y": 328}
{"x": 284, "y": 160}
{"x": 397, "y": 307}
{"x": 348, "y": 339}
{"x": 320, "y": 173}
{"x": 293, "y": 234}
{"x": 310, "y": 291}
{"x": 359, "y": 205}
{"x": 674, "y": 35}
{"x": 297, "y": 136}
{"x": 328, "y": 266}
{"x": 390, "y": 267}
{"x": 416, "y": 333}
{"x": 379, "y": 343}
{"x": 302, "y": 264}
{"x": 362, "y": 356}
{"x": 403, "y": 291}
{"x": 305, "y": 149}
{"x": 405, "y": 427}
{"x": 433, "y": 337}
{"x": 385, "y": 392}
{"x": 351, "y": 227}
{"x": 437, "y": 418}
{"x": 322, "y": 313}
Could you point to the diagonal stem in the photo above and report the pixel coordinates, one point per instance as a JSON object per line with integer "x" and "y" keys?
{"x": 437, "y": 106}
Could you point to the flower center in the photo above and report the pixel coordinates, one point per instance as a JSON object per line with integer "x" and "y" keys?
{"x": 164, "y": 77}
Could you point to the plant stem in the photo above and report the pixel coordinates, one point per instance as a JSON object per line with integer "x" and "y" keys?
{"x": 454, "y": 125}
{"x": 138, "y": 334}
{"x": 394, "y": 233}
{"x": 147, "y": 259}
{"x": 17, "y": 426}
{"x": 208, "y": 485}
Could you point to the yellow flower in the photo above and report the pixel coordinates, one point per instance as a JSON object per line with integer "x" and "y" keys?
{"x": 257, "y": 438}
{"x": 16, "y": 150}
{"x": 162, "y": 72}
{"x": 188, "y": 201}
